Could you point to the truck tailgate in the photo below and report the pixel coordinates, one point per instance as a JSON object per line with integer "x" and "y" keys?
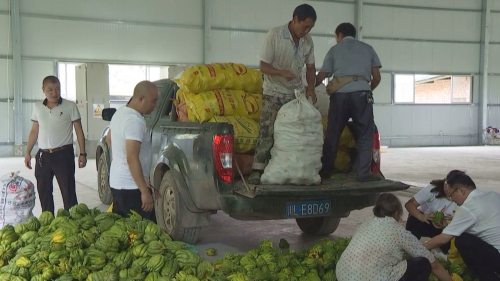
{"x": 346, "y": 184}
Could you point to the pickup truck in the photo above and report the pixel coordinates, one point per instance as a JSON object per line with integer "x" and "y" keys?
{"x": 192, "y": 167}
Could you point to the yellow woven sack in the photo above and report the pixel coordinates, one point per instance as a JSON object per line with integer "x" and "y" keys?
{"x": 203, "y": 106}
{"x": 234, "y": 76}
{"x": 346, "y": 139}
{"x": 343, "y": 161}
{"x": 453, "y": 254}
{"x": 110, "y": 209}
{"x": 246, "y": 131}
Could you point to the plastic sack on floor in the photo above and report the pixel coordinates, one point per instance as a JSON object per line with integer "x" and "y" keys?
{"x": 206, "y": 77}
{"x": 246, "y": 132}
{"x": 298, "y": 144}
{"x": 17, "y": 199}
{"x": 203, "y": 106}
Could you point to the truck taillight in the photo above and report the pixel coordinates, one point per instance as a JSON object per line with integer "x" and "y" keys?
{"x": 376, "y": 154}
{"x": 223, "y": 156}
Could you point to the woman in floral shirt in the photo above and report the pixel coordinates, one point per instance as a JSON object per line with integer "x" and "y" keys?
{"x": 376, "y": 250}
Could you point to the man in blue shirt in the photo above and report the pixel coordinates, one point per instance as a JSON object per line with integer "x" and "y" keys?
{"x": 356, "y": 73}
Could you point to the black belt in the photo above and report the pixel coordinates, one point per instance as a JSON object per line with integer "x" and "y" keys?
{"x": 52, "y": 150}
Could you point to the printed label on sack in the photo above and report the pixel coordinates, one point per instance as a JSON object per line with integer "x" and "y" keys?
{"x": 211, "y": 69}
{"x": 239, "y": 69}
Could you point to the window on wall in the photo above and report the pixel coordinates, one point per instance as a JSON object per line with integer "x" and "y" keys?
{"x": 122, "y": 80}
{"x": 432, "y": 89}
{"x": 66, "y": 75}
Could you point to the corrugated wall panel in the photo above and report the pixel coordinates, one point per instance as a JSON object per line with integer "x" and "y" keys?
{"x": 457, "y": 4}
{"x": 495, "y": 27}
{"x": 6, "y": 82}
{"x": 494, "y": 116}
{"x": 420, "y": 125}
{"x": 111, "y": 42}
{"x": 5, "y": 43}
{"x": 33, "y": 74}
{"x": 421, "y": 24}
{"x": 164, "y": 11}
{"x": 494, "y": 62}
{"x": 383, "y": 93}
{"x": 427, "y": 56}
{"x": 7, "y": 122}
{"x": 496, "y": 5}
{"x": 264, "y": 14}
{"x": 242, "y": 47}
{"x": 494, "y": 90}
{"x": 4, "y": 5}
{"x": 27, "y": 123}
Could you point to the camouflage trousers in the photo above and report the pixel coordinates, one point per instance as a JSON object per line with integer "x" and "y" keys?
{"x": 270, "y": 107}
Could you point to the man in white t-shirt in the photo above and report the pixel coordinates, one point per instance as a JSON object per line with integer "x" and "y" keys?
{"x": 132, "y": 153}
{"x": 53, "y": 122}
{"x": 476, "y": 226}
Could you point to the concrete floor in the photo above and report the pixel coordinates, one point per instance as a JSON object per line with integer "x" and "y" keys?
{"x": 416, "y": 166}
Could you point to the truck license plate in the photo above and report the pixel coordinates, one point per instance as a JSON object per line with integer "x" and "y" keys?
{"x": 308, "y": 209}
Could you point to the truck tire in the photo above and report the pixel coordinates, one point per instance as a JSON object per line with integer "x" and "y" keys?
{"x": 103, "y": 181}
{"x": 168, "y": 212}
{"x": 318, "y": 226}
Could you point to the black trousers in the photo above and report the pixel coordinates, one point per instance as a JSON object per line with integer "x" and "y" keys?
{"x": 344, "y": 106}
{"x": 125, "y": 200}
{"x": 419, "y": 229}
{"x": 482, "y": 259}
{"x": 418, "y": 269}
{"x": 60, "y": 164}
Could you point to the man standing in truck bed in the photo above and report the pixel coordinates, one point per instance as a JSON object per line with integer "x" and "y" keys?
{"x": 356, "y": 70}
{"x": 285, "y": 52}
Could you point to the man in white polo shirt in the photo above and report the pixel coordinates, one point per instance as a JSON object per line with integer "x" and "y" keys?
{"x": 132, "y": 154}
{"x": 476, "y": 226}
{"x": 286, "y": 50}
{"x": 53, "y": 122}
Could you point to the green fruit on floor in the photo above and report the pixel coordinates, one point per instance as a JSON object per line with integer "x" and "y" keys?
{"x": 211, "y": 252}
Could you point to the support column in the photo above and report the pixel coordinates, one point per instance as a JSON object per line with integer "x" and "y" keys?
{"x": 207, "y": 41}
{"x": 15, "y": 27}
{"x": 484, "y": 68}
{"x": 359, "y": 19}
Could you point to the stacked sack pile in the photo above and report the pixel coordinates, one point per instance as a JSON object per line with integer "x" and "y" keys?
{"x": 224, "y": 93}
{"x": 232, "y": 93}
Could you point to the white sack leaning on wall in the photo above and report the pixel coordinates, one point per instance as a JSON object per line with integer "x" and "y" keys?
{"x": 298, "y": 144}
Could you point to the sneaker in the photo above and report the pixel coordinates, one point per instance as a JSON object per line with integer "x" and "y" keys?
{"x": 254, "y": 178}
{"x": 371, "y": 177}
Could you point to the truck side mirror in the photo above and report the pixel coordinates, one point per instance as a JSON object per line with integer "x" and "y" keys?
{"x": 107, "y": 113}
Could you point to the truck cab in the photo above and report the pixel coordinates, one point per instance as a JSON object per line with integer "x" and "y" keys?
{"x": 192, "y": 167}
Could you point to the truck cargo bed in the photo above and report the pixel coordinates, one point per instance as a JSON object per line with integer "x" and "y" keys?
{"x": 346, "y": 184}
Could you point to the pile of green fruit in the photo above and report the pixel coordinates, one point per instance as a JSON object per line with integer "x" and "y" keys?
{"x": 87, "y": 244}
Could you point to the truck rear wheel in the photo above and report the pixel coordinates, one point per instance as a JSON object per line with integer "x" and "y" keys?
{"x": 168, "y": 214}
{"x": 318, "y": 226}
{"x": 103, "y": 181}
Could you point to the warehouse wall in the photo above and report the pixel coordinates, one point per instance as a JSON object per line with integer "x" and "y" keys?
{"x": 494, "y": 78}
{"x": 166, "y": 32}
{"x": 438, "y": 37}
{"x": 422, "y": 37}
{"x": 425, "y": 36}
{"x": 6, "y": 82}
